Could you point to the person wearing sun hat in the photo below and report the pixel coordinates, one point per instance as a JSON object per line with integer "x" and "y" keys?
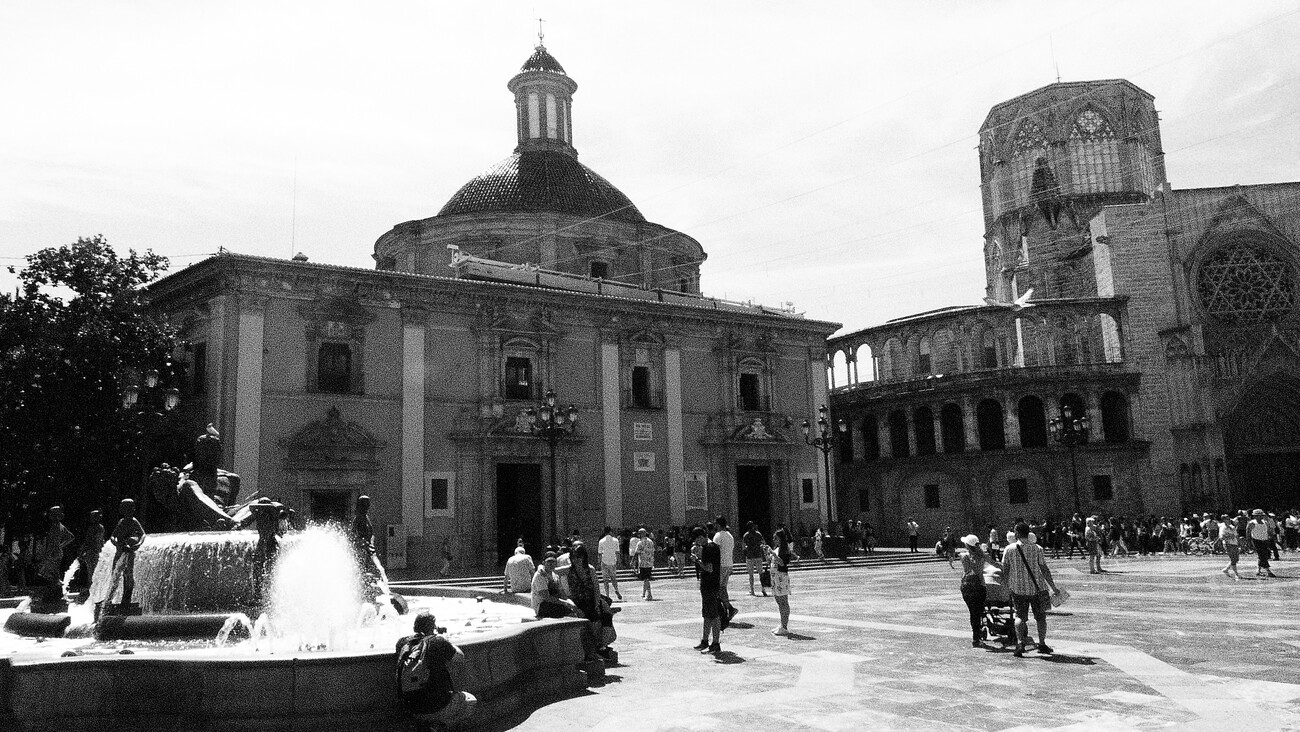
{"x": 973, "y": 590}
{"x": 1257, "y": 528}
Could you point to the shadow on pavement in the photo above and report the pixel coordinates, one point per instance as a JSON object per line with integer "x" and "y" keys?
{"x": 511, "y": 721}
{"x": 741, "y": 625}
{"x": 1077, "y": 660}
{"x": 727, "y": 657}
{"x": 799, "y": 637}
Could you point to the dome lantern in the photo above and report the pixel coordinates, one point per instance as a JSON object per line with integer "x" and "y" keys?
{"x": 543, "y": 104}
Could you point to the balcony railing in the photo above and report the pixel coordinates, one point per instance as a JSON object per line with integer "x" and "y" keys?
{"x": 963, "y": 379}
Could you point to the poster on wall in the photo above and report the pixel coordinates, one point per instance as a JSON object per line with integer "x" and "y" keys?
{"x": 643, "y": 431}
{"x": 643, "y": 462}
{"x": 697, "y": 490}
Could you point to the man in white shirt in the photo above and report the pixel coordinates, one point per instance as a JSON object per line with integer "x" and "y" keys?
{"x": 607, "y": 548}
{"x": 1259, "y": 534}
{"x": 1028, "y": 579}
{"x": 727, "y": 544}
{"x": 913, "y": 534}
{"x": 519, "y": 571}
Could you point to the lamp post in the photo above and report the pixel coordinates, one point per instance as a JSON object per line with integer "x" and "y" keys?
{"x": 551, "y": 424}
{"x": 1070, "y": 431}
{"x": 823, "y": 442}
{"x": 148, "y": 401}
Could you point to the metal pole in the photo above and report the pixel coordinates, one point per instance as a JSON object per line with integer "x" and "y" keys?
{"x": 1074, "y": 475}
{"x": 830, "y": 500}
{"x": 552, "y": 438}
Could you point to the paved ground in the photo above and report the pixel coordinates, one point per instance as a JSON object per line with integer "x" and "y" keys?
{"x": 1155, "y": 644}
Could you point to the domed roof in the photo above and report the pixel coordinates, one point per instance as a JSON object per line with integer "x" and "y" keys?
{"x": 542, "y": 60}
{"x": 542, "y": 180}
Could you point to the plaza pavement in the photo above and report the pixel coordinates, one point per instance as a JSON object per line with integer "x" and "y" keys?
{"x": 1157, "y": 643}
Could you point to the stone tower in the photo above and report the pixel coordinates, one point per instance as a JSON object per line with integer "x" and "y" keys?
{"x": 1049, "y": 160}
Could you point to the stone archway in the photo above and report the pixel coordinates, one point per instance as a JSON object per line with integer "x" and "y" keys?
{"x": 1262, "y": 445}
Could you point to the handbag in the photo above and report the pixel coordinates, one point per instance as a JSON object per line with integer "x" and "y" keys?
{"x": 765, "y": 577}
{"x": 1060, "y": 598}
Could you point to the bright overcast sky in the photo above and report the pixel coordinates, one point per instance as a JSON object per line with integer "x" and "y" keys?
{"x": 822, "y": 153}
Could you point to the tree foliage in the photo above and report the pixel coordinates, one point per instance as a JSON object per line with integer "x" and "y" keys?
{"x": 71, "y": 337}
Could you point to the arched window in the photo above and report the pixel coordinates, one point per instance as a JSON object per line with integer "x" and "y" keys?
{"x": 924, "y": 362}
{"x": 1094, "y": 154}
{"x": 870, "y": 438}
{"x": 866, "y": 364}
{"x": 953, "y": 427}
{"x": 839, "y": 369}
{"x": 989, "y": 349}
{"x": 988, "y": 420}
{"x": 1028, "y": 144}
{"x": 923, "y": 419}
{"x": 898, "y": 433}
{"x": 1033, "y": 422}
{"x": 1114, "y": 417}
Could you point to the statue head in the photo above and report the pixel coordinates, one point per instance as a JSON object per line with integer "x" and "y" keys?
{"x": 207, "y": 451}
{"x": 126, "y": 508}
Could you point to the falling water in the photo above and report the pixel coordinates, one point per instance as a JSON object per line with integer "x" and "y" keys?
{"x": 315, "y": 589}
{"x": 232, "y": 624}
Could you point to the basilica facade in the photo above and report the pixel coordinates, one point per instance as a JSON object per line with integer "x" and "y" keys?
{"x": 533, "y": 359}
{"x": 1166, "y": 317}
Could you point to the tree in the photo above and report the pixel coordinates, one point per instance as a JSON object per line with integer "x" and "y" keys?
{"x": 72, "y": 337}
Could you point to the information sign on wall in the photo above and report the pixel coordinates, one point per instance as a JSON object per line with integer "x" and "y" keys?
{"x": 643, "y": 462}
{"x": 643, "y": 431}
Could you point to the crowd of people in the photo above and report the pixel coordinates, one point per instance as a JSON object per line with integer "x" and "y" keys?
{"x": 565, "y": 583}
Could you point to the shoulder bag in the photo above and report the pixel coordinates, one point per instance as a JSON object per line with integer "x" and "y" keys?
{"x": 1056, "y": 599}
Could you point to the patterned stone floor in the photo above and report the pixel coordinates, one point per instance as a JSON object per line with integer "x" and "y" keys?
{"x": 1157, "y": 643}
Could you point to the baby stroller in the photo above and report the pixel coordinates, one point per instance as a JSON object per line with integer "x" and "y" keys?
{"x": 999, "y": 615}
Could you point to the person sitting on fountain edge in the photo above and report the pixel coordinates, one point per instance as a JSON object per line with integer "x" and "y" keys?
{"x": 424, "y": 675}
{"x": 127, "y": 537}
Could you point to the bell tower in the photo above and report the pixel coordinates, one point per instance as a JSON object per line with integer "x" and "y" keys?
{"x": 1049, "y": 160}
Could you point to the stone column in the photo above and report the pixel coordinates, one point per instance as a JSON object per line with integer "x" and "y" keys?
{"x": 675, "y": 437}
{"x": 248, "y": 390}
{"x": 611, "y": 432}
{"x": 938, "y": 428}
{"x": 1011, "y": 420}
{"x": 413, "y": 381}
{"x": 911, "y": 431}
{"x": 970, "y": 423}
{"x": 882, "y": 436}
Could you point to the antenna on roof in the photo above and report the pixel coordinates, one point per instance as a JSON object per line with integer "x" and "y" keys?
{"x": 541, "y": 36}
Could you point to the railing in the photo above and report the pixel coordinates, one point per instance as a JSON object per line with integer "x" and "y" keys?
{"x": 966, "y": 378}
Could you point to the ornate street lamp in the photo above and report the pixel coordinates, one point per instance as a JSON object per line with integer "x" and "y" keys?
{"x": 1070, "y": 431}
{"x": 148, "y": 405}
{"x": 552, "y": 424}
{"x": 823, "y": 442}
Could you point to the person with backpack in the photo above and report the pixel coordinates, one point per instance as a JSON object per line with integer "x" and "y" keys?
{"x": 424, "y": 675}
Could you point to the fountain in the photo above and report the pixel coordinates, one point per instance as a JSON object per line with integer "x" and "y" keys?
{"x": 184, "y": 651}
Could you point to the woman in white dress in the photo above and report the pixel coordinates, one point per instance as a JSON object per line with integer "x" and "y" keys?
{"x": 778, "y": 561}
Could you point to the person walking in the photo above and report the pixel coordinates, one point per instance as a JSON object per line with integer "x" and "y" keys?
{"x": 708, "y": 559}
{"x": 1029, "y": 580}
{"x": 1257, "y": 528}
{"x": 643, "y": 549}
{"x": 753, "y": 548}
{"x": 779, "y": 559}
{"x": 973, "y": 590}
{"x": 1092, "y": 541}
{"x": 607, "y": 548}
{"x": 1231, "y": 547}
{"x": 913, "y": 534}
{"x": 727, "y": 546}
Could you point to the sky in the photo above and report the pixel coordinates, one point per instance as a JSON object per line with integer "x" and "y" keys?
{"x": 822, "y": 153}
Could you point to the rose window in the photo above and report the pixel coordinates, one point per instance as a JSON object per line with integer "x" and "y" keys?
{"x": 1242, "y": 283}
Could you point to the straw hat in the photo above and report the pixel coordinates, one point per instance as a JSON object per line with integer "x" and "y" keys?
{"x": 970, "y": 540}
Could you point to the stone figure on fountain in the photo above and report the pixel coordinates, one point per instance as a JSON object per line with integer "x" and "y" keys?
{"x": 197, "y": 498}
{"x": 267, "y": 516}
{"x": 374, "y": 579}
{"x": 127, "y": 537}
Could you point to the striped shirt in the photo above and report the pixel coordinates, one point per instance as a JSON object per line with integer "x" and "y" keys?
{"x": 1016, "y": 576}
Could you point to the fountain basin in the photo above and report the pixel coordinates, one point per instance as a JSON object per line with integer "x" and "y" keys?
{"x": 202, "y": 689}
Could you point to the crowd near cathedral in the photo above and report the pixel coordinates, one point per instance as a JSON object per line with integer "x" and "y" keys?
{"x": 538, "y": 357}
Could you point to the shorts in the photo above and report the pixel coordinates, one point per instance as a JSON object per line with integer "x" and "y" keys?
{"x": 708, "y": 603}
{"x": 644, "y": 573}
{"x": 1023, "y": 603}
{"x": 609, "y": 572}
{"x": 780, "y": 583}
{"x": 754, "y": 565}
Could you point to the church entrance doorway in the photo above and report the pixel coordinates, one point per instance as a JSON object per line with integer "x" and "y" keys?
{"x": 753, "y": 499}
{"x": 1262, "y": 443}
{"x": 330, "y": 506}
{"x": 519, "y": 508}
